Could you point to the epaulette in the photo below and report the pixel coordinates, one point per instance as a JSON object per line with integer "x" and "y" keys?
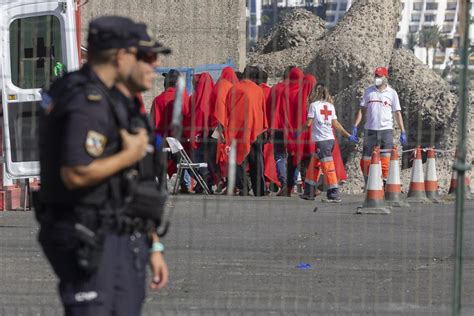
{"x": 94, "y": 97}
{"x": 93, "y": 94}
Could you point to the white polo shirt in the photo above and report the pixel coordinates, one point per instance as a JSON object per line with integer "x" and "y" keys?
{"x": 322, "y": 114}
{"x": 379, "y": 107}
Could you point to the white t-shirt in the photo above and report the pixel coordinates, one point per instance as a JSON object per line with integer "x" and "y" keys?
{"x": 379, "y": 108}
{"x": 322, "y": 114}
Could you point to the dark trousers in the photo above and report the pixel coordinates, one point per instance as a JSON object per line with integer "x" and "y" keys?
{"x": 281, "y": 156}
{"x": 254, "y": 161}
{"x": 206, "y": 152}
{"x": 293, "y": 169}
{"x": 117, "y": 287}
{"x": 185, "y": 181}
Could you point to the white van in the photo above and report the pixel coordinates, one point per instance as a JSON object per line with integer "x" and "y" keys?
{"x": 38, "y": 42}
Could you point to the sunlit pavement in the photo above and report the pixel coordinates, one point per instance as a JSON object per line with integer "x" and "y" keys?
{"x": 271, "y": 255}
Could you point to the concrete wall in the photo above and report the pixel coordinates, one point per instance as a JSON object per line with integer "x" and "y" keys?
{"x": 198, "y": 31}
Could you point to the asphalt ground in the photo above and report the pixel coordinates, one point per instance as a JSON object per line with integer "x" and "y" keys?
{"x": 274, "y": 256}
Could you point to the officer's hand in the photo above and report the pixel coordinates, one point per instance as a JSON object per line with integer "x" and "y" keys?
{"x": 159, "y": 271}
{"x": 403, "y": 138}
{"x": 135, "y": 145}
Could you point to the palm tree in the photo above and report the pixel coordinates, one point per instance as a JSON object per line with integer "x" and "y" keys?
{"x": 429, "y": 37}
{"x": 411, "y": 41}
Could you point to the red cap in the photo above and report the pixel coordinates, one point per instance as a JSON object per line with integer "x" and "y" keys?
{"x": 381, "y": 72}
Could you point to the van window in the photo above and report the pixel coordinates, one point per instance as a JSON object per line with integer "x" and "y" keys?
{"x": 23, "y": 126}
{"x": 36, "y": 52}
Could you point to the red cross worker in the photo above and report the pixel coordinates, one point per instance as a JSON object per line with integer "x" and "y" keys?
{"x": 378, "y": 106}
{"x": 322, "y": 118}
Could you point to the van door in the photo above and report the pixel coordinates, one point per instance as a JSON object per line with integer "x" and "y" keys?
{"x": 39, "y": 44}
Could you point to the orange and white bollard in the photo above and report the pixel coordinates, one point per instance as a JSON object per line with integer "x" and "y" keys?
{"x": 374, "y": 201}
{"x": 467, "y": 181}
{"x": 393, "y": 187}
{"x": 431, "y": 178}
{"x": 417, "y": 192}
{"x": 454, "y": 185}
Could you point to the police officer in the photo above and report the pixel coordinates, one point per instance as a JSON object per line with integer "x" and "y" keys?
{"x": 84, "y": 151}
{"x": 127, "y": 92}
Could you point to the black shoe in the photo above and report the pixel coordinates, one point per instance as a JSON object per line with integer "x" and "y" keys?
{"x": 306, "y": 197}
{"x": 309, "y": 192}
{"x": 333, "y": 196}
{"x": 200, "y": 190}
{"x": 332, "y": 200}
{"x": 184, "y": 190}
{"x": 283, "y": 191}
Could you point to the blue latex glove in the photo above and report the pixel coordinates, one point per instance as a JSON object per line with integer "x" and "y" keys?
{"x": 353, "y": 138}
{"x": 403, "y": 138}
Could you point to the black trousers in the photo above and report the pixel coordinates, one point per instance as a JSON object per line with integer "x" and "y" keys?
{"x": 117, "y": 287}
{"x": 291, "y": 170}
{"x": 254, "y": 161}
{"x": 207, "y": 153}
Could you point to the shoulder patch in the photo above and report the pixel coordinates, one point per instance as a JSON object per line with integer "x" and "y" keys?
{"x": 95, "y": 143}
{"x": 94, "y": 97}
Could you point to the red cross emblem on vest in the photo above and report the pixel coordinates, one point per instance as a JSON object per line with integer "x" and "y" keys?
{"x": 326, "y": 113}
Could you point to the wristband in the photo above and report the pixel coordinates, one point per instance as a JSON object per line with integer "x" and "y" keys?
{"x": 157, "y": 247}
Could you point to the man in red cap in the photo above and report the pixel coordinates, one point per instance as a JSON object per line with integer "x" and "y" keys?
{"x": 379, "y": 105}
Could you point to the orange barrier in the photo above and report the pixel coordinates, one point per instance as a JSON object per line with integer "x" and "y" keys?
{"x": 374, "y": 201}
{"x": 393, "y": 187}
{"x": 454, "y": 185}
{"x": 431, "y": 178}
{"x": 417, "y": 192}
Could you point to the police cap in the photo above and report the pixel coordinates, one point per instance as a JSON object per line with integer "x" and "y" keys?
{"x": 108, "y": 32}
{"x": 146, "y": 44}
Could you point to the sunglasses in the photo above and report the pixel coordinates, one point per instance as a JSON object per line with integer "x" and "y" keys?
{"x": 147, "y": 57}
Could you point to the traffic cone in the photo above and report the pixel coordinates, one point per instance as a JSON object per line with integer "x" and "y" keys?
{"x": 431, "y": 179}
{"x": 393, "y": 187}
{"x": 374, "y": 201}
{"x": 417, "y": 192}
{"x": 454, "y": 184}
{"x": 467, "y": 181}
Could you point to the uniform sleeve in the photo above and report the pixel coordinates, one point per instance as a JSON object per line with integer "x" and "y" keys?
{"x": 365, "y": 99}
{"x": 395, "y": 102}
{"x": 312, "y": 111}
{"x": 84, "y": 133}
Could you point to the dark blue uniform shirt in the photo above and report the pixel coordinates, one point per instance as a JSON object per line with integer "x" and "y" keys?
{"x": 77, "y": 127}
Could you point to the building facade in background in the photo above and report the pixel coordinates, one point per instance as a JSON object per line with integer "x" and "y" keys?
{"x": 416, "y": 15}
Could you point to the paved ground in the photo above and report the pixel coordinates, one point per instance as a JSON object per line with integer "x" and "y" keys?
{"x": 239, "y": 256}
